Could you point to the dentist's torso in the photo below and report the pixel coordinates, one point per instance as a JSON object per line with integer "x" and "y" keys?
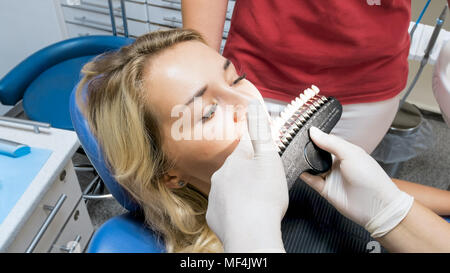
{"x": 355, "y": 50}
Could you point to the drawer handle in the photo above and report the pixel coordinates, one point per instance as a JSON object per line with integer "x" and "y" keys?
{"x": 83, "y": 19}
{"x": 53, "y": 211}
{"x": 172, "y": 2}
{"x": 84, "y": 24}
{"x": 173, "y": 20}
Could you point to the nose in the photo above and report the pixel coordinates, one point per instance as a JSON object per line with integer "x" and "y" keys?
{"x": 240, "y": 102}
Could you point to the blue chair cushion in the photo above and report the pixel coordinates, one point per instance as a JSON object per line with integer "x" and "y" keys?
{"x": 125, "y": 234}
{"x": 95, "y": 154}
{"x": 50, "y": 92}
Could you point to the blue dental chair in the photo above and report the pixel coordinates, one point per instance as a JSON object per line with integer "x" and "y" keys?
{"x": 44, "y": 80}
{"x": 126, "y": 233}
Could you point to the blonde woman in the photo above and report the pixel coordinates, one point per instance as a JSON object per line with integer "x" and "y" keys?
{"x": 130, "y": 108}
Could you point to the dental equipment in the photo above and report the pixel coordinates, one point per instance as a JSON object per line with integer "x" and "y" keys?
{"x": 12, "y": 148}
{"x": 411, "y": 34}
{"x": 437, "y": 29}
{"x": 291, "y": 133}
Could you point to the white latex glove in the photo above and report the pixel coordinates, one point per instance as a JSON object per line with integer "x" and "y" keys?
{"x": 249, "y": 194}
{"x": 358, "y": 187}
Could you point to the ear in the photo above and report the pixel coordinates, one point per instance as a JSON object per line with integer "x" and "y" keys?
{"x": 172, "y": 180}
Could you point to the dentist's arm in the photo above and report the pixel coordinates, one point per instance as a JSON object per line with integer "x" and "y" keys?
{"x": 207, "y": 17}
{"x": 421, "y": 231}
{"x": 360, "y": 189}
{"x": 249, "y": 194}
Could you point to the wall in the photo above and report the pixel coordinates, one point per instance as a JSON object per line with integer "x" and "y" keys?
{"x": 25, "y": 27}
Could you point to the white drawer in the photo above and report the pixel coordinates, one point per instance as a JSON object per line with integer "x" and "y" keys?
{"x": 137, "y": 28}
{"x": 100, "y": 6}
{"x": 176, "y": 4}
{"x": 163, "y": 16}
{"x": 88, "y": 18}
{"x": 76, "y": 233}
{"x": 172, "y": 18}
{"x": 136, "y": 11}
{"x": 173, "y": 4}
{"x": 154, "y": 27}
{"x": 100, "y": 24}
{"x": 77, "y": 31}
{"x": 66, "y": 184}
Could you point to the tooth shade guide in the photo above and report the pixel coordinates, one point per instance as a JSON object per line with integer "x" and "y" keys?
{"x": 295, "y": 115}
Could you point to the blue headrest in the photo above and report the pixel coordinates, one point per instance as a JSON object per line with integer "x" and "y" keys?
{"x": 95, "y": 154}
{"x": 14, "y": 84}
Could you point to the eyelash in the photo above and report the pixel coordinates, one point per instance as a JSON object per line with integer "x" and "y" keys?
{"x": 212, "y": 111}
{"x": 239, "y": 79}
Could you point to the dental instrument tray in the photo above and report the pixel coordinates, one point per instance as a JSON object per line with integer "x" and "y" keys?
{"x": 291, "y": 133}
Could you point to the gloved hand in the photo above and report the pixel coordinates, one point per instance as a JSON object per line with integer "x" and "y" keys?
{"x": 249, "y": 194}
{"x": 358, "y": 187}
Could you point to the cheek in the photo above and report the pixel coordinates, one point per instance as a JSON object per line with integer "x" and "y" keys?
{"x": 201, "y": 158}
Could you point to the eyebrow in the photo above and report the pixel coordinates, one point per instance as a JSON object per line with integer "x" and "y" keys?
{"x": 227, "y": 64}
{"x": 202, "y": 90}
{"x": 199, "y": 93}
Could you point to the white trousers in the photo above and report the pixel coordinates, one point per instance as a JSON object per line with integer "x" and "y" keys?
{"x": 363, "y": 124}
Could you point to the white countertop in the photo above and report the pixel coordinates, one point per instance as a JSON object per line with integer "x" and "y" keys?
{"x": 63, "y": 143}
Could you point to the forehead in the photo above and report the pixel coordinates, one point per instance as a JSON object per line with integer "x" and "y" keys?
{"x": 181, "y": 62}
{"x": 177, "y": 72}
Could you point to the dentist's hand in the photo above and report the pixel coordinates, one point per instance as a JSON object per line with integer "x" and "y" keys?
{"x": 358, "y": 187}
{"x": 249, "y": 194}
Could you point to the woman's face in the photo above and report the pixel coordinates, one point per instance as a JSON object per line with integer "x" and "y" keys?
{"x": 200, "y": 102}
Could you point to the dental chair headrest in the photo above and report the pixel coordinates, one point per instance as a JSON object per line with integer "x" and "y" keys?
{"x": 95, "y": 153}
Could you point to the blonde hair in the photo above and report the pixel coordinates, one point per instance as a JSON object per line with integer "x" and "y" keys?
{"x": 130, "y": 138}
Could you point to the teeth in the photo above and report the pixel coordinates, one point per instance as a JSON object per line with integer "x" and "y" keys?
{"x": 290, "y": 109}
{"x": 295, "y": 116}
{"x": 296, "y": 104}
{"x": 316, "y": 104}
{"x": 303, "y": 97}
{"x": 299, "y": 102}
{"x": 318, "y": 99}
{"x": 311, "y": 107}
{"x": 298, "y": 122}
{"x": 310, "y": 93}
{"x": 292, "y": 132}
{"x": 315, "y": 89}
{"x": 302, "y": 119}
{"x": 284, "y": 141}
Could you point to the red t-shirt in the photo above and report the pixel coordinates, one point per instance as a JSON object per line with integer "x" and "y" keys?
{"x": 354, "y": 50}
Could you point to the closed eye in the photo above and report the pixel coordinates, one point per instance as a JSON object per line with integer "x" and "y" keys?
{"x": 210, "y": 113}
{"x": 239, "y": 79}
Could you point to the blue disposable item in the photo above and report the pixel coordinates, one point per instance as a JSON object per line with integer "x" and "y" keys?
{"x": 16, "y": 174}
{"x": 13, "y": 149}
